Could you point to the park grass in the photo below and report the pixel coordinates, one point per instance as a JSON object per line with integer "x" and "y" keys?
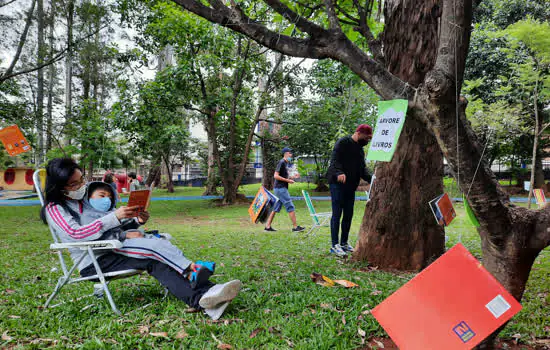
{"x": 278, "y": 296}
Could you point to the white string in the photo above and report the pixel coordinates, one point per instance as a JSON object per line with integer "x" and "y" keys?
{"x": 479, "y": 163}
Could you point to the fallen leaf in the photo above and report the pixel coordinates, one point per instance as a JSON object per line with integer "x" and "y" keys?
{"x": 181, "y": 334}
{"x": 376, "y": 292}
{"x": 10, "y": 291}
{"x": 321, "y": 280}
{"x": 276, "y": 295}
{"x": 143, "y": 329}
{"x": 255, "y": 332}
{"x": 325, "y": 306}
{"x": 191, "y": 310}
{"x": 366, "y": 312}
{"x": 266, "y": 311}
{"x": 159, "y": 334}
{"x": 344, "y": 320}
{"x": 14, "y": 316}
{"x": 379, "y": 344}
{"x": 290, "y": 344}
{"x": 139, "y": 298}
{"x": 224, "y": 346}
{"x": 6, "y": 337}
{"x": 346, "y": 283}
{"x": 361, "y": 332}
{"x": 222, "y": 264}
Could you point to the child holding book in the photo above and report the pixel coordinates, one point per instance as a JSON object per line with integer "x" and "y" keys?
{"x": 76, "y": 216}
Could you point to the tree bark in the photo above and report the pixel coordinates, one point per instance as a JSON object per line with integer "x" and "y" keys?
{"x": 170, "y": 183}
{"x": 51, "y": 80}
{"x": 212, "y": 179}
{"x": 153, "y": 178}
{"x": 40, "y": 81}
{"x": 398, "y": 229}
{"x": 69, "y": 68}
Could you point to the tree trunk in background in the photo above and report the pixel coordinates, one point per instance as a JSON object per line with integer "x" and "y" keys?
{"x": 153, "y": 178}
{"x": 40, "y": 81}
{"x": 212, "y": 178}
{"x": 51, "y": 79}
{"x": 398, "y": 229}
{"x": 69, "y": 68}
{"x": 170, "y": 183}
{"x": 270, "y": 158}
{"x": 90, "y": 172}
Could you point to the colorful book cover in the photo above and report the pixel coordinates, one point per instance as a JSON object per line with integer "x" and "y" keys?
{"x": 140, "y": 198}
{"x": 443, "y": 209}
{"x": 540, "y": 198}
{"x": 14, "y": 141}
{"x": 258, "y": 204}
{"x": 453, "y": 304}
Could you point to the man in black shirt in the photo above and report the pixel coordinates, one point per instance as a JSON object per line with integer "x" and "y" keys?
{"x": 347, "y": 167}
{"x": 280, "y": 189}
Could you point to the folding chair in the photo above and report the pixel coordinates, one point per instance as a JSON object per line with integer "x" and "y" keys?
{"x": 101, "y": 288}
{"x": 319, "y": 219}
{"x": 539, "y": 195}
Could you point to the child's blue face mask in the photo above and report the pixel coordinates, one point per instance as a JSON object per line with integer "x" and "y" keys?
{"x": 101, "y": 204}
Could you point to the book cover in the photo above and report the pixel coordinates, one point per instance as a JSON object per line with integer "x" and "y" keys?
{"x": 443, "y": 209}
{"x": 258, "y": 204}
{"x": 140, "y": 198}
{"x": 14, "y": 141}
{"x": 453, "y": 304}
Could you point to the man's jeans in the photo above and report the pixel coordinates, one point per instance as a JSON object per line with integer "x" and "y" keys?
{"x": 343, "y": 200}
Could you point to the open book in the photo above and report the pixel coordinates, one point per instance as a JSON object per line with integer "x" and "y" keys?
{"x": 140, "y": 198}
{"x": 443, "y": 210}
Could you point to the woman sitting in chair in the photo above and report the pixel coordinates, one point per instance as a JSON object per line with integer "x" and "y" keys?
{"x": 68, "y": 213}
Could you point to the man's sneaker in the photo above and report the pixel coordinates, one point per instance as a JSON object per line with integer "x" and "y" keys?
{"x": 347, "y": 248}
{"x": 269, "y": 229}
{"x": 338, "y": 251}
{"x": 220, "y": 293}
{"x": 298, "y": 229}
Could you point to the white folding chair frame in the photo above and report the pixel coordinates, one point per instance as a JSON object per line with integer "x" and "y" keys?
{"x": 319, "y": 219}
{"x": 89, "y": 247}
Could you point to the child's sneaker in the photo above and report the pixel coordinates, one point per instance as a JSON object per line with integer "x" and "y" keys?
{"x": 338, "y": 251}
{"x": 201, "y": 273}
{"x": 216, "y": 312}
{"x": 347, "y": 248}
{"x": 220, "y": 293}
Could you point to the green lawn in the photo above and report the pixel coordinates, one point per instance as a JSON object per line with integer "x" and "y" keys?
{"x": 278, "y": 296}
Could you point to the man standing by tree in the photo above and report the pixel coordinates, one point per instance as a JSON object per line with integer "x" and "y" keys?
{"x": 347, "y": 167}
{"x": 282, "y": 179}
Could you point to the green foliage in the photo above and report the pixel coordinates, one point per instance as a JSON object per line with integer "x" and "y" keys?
{"x": 342, "y": 101}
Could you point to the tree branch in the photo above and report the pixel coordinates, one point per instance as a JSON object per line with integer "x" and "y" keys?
{"x": 7, "y": 3}
{"x": 333, "y": 21}
{"x": 21, "y": 40}
{"x": 375, "y": 46}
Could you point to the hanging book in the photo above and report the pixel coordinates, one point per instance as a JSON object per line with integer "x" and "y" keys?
{"x": 443, "y": 210}
{"x": 470, "y": 212}
{"x": 453, "y": 304}
{"x": 14, "y": 141}
{"x": 262, "y": 205}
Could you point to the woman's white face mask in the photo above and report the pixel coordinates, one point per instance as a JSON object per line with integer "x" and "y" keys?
{"x": 78, "y": 194}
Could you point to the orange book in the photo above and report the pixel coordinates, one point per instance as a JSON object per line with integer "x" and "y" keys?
{"x": 453, "y": 304}
{"x": 14, "y": 141}
{"x": 258, "y": 204}
{"x": 443, "y": 209}
{"x": 140, "y": 198}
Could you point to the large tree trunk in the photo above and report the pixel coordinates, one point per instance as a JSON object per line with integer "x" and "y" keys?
{"x": 153, "y": 178}
{"x": 170, "y": 182}
{"x": 51, "y": 80}
{"x": 269, "y": 158}
{"x": 398, "y": 229}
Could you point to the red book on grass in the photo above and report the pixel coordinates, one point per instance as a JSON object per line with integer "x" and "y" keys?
{"x": 453, "y": 304}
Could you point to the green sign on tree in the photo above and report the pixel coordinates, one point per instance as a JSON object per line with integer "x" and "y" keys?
{"x": 391, "y": 118}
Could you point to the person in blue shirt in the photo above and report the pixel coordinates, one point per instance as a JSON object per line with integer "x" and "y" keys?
{"x": 280, "y": 190}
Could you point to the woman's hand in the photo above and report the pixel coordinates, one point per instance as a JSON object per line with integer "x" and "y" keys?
{"x": 143, "y": 216}
{"x": 134, "y": 234}
{"x": 126, "y": 212}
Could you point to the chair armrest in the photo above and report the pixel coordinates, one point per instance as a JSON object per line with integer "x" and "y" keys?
{"x": 109, "y": 244}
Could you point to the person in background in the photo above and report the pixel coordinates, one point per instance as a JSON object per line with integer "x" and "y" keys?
{"x": 347, "y": 168}
{"x": 133, "y": 181}
{"x": 280, "y": 189}
{"x": 112, "y": 181}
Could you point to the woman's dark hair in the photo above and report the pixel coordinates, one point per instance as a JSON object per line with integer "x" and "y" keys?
{"x": 109, "y": 178}
{"x": 58, "y": 173}
{"x": 132, "y": 175}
